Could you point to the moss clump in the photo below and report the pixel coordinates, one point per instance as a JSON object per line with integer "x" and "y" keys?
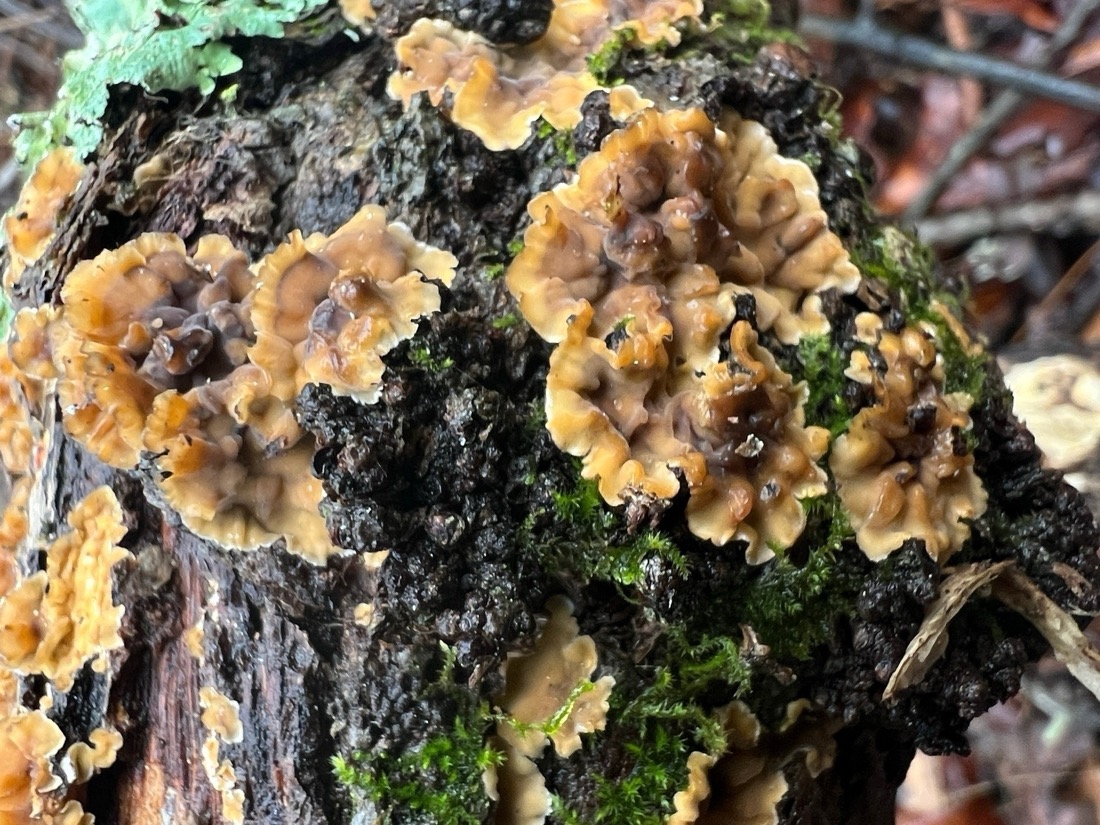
{"x": 441, "y": 779}
{"x": 562, "y": 141}
{"x": 668, "y": 716}
{"x": 604, "y": 64}
{"x": 794, "y": 606}
{"x": 590, "y": 543}
{"x": 821, "y": 363}
{"x": 644, "y": 795}
{"x": 421, "y": 356}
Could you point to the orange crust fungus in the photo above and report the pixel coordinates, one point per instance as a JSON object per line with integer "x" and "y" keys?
{"x": 634, "y": 268}
{"x": 500, "y": 91}
{"x": 28, "y": 741}
{"x": 327, "y": 308}
{"x": 672, "y": 198}
{"x": 199, "y": 360}
{"x": 31, "y": 224}
{"x": 60, "y": 618}
{"x": 903, "y": 469}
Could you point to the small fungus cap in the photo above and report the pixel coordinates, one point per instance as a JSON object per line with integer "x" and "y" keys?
{"x": 327, "y": 308}
{"x": 902, "y": 469}
{"x": 224, "y": 482}
{"x": 140, "y": 320}
{"x": 499, "y": 92}
{"x": 32, "y": 222}
{"x": 28, "y": 741}
{"x": 554, "y": 677}
{"x": 57, "y": 620}
{"x": 736, "y": 433}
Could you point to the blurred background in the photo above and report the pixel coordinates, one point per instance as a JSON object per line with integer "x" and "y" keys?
{"x": 982, "y": 118}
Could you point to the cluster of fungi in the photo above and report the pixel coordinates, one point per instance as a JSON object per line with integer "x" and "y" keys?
{"x": 672, "y": 272}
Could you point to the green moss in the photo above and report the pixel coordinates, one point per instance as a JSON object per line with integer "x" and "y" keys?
{"x": 821, "y": 364}
{"x": 506, "y": 321}
{"x": 604, "y": 63}
{"x": 667, "y": 718}
{"x": 441, "y": 779}
{"x": 793, "y": 606}
{"x": 562, "y": 140}
{"x": 644, "y": 795}
{"x": 589, "y": 544}
{"x": 156, "y": 44}
{"x": 421, "y": 356}
{"x": 493, "y": 272}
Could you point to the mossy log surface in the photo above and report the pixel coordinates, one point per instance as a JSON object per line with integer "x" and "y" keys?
{"x": 484, "y": 519}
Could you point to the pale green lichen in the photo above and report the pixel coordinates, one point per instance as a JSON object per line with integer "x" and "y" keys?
{"x": 160, "y": 45}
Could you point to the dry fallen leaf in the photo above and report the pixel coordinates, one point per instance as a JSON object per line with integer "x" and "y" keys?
{"x": 1070, "y": 645}
{"x": 931, "y": 639}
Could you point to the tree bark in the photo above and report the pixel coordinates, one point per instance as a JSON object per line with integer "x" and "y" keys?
{"x": 453, "y": 476}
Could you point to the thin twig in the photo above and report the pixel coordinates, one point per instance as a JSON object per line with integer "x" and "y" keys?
{"x": 909, "y": 49}
{"x": 1060, "y": 216}
{"x": 1003, "y": 105}
{"x": 25, "y": 21}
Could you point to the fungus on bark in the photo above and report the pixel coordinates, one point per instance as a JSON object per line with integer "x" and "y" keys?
{"x": 498, "y": 92}
{"x": 61, "y": 618}
{"x": 85, "y": 759}
{"x": 140, "y": 320}
{"x": 745, "y": 785}
{"x": 327, "y": 308}
{"x": 31, "y": 224}
{"x": 28, "y": 741}
{"x": 225, "y": 483}
{"x": 636, "y": 265}
{"x": 903, "y": 469}
{"x": 548, "y": 698}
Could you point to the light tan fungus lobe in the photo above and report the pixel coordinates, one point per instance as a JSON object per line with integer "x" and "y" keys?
{"x": 548, "y": 697}
{"x": 31, "y": 223}
{"x": 139, "y": 320}
{"x": 500, "y": 91}
{"x": 548, "y": 692}
{"x": 673, "y": 207}
{"x": 60, "y": 618}
{"x": 327, "y": 308}
{"x": 903, "y": 469}
{"x": 357, "y": 12}
{"x": 27, "y": 741}
{"x": 634, "y": 268}
{"x": 220, "y": 715}
{"x": 224, "y": 482}
{"x": 744, "y": 785}
{"x": 84, "y": 759}
{"x": 736, "y": 432}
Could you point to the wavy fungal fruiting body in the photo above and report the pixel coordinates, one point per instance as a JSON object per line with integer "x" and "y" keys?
{"x": 198, "y": 359}
{"x": 634, "y": 269}
{"x": 902, "y": 469}
{"x": 499, "y": 92}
